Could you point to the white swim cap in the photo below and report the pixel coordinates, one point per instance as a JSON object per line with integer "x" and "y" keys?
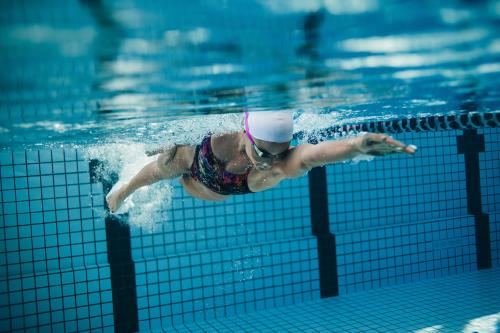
{"x": 273, "y": 126}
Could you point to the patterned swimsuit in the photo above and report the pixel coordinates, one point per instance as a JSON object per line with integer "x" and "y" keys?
{"x": 211, "y": 172}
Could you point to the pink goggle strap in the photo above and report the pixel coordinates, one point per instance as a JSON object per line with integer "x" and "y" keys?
{"x": 247, "y": 131}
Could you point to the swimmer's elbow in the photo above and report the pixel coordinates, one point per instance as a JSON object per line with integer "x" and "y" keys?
{"x": 308, "y": 164}
{"x": 303, "y": 166}
{"x": 312, "y": 158}
{"x": 159, "y": 170}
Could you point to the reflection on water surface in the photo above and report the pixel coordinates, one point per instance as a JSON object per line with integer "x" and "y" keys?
{"x": 94, "y": 71}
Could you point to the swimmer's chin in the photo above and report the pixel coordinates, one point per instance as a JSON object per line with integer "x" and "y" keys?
{"x": 263, "y": 167}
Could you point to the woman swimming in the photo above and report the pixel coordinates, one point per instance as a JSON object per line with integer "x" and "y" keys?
{"x": 253, "y": 160}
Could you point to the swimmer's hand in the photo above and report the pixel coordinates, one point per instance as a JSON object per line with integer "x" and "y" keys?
{"x": 116, "y": 197}
{"x": 381, "y": 144}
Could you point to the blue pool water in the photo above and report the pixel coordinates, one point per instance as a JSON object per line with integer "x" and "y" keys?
{"x": 396, "y": 244}
{"x": 90, "y": 71}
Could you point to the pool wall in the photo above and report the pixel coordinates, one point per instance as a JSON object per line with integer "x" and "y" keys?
{"x": 394, "y": 220}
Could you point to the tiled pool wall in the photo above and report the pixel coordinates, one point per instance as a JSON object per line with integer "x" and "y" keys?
{"x": 54, "y": 264}
{"x": 395, "y": 220}
{"x": 402, "y": 219}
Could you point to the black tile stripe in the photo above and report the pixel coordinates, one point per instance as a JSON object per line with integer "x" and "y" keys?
{"x": 471, "y": 144}
{"x": 122, "y": 267}
{"x": 327, "y": 254}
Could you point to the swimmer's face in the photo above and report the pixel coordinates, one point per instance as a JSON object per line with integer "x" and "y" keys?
{"x": 265, "y": 153}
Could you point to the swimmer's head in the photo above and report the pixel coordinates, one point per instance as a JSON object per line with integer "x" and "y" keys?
{"x": 271, "y": 126}
{"x": 269, "y": 134}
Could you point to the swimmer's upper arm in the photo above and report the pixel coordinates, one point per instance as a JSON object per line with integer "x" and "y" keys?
{"x": 296, "y": 164}
{"x": 174, "y": 162}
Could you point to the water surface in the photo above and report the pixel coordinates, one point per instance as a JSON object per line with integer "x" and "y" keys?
{"x": 90, "y": 72}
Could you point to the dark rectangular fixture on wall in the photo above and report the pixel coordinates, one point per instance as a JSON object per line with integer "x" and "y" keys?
{"x": 471, "y": 144}
{"x": 327, "y": 256}
{"x": 122, "y": 267}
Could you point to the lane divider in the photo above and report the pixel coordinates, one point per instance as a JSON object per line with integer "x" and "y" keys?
{"x": 451, "y": 121}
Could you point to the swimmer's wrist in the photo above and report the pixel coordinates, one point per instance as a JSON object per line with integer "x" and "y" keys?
{"x": 356, "y": 144}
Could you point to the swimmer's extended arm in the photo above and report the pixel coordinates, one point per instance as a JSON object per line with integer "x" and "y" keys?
{"x": 148, "y": 175}
{"x": 170, "y": 164}
{"x": 309, "y": 156}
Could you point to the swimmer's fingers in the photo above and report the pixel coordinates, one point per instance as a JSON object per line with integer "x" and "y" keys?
{"x": 400, "y": 147}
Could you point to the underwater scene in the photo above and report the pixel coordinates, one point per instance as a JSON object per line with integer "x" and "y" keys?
{"x": 250, "y": 166}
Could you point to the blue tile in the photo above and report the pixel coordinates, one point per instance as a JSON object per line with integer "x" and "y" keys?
{"x": 57, "y": 155}
{"x": 19, "y": 157}
{"x": 20, "y": 170}
{"x": 48, "y": 192}
{"x": 46, "y": 169}
{"x": 35, "y": 206}
{"x": 83, "y": 166}
{"x": 7, "y": 183}
{"x": 61, "y": 203}
{"x": 21, "y": 182}
{"x": 48, "y": 204}
{"x": 74, "y": 214}
{"x": 59, "y": 179}
{"x": 22, "y": 207}
{"x": 60, "y": 192}
{"x": 6, "y": 158}
{"x": 32, "y": 156}
{"x": 69, "y": 312}
{"x": 7, "y": 171}
{"x": 70, "y": 325}
{"x": 72, "y": 179}
{"x": 34, "y": 182}
{"x": 70, "y": 155}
